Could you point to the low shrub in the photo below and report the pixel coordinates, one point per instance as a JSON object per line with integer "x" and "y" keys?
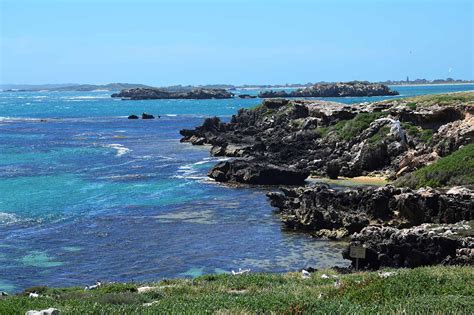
{"x": 454, "y": 169}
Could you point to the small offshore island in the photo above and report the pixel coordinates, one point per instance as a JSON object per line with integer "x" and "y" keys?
{"x": 354, "y": 88}
{"x": 155, "y": 94}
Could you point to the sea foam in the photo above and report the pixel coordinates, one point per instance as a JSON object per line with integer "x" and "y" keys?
{"x": 121, "y": 150}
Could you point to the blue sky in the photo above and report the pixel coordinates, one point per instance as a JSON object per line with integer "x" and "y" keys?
{"x": 239, "y": 42}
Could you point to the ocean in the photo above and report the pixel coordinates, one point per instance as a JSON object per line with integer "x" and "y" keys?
{"x": 87, "y": 195}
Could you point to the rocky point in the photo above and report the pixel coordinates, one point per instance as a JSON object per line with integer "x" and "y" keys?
{"x": 415, "y": 142}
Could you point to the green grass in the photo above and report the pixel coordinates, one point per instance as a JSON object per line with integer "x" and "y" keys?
{"x": 322, "y": 131}
{"x": 418, "y": 102}
{"x": 348, "y": 129}
{"x": 412, "y": 105}
{"x": 441, "y": 290}
{"x": 454, "y": 169}
{"x": 454, "y": 97}
{"x": 423, "y": 135}
{"x": 380, "y": 135}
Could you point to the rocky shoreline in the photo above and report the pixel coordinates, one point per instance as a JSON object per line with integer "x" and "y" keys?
{"x": 332, "y": 139}
{"x": 341, "y": 89}
{"x": 417, "y": 142}
{"x": 423, "y": 245}
{"x": 331, "y": 213}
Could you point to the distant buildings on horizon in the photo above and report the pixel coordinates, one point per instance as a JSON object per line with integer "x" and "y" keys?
{"x": 425, "y": 81}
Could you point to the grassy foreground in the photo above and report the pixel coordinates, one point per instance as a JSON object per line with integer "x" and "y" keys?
{"x": 438, "y": 290}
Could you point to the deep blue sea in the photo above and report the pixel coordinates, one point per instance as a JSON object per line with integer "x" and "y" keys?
{"x": 86, "y": 194}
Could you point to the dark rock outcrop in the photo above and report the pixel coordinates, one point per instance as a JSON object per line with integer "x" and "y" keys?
{"x": 423, "y": 245}
{"x": 147, "y": 116}
{"x": 329, "y": 212}
{"x": 340, "y": 89}
{"x": 153, "y": 93}
{"x": 328, "y": 138}
{"x": 133, "y": 117}
{"x": 333, "y": 169}
{"x": 255, "y": 173}
{"x": 247, "y": 96}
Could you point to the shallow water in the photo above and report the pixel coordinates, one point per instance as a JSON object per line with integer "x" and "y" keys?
{"x": 89, "y": 195}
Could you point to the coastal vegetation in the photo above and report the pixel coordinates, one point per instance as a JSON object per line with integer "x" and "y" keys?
{"x": 447, "y": 290}
{"x": 452, "y": 170}
{"x": 417, "y": 132}
{"x": 424, "y": 101}
{"x": 348, "y": 129}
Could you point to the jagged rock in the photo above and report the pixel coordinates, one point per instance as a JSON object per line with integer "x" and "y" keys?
{"x": 284, "y": 132}
{"x": 321, "y": 208}
{"x": 218, "y": 150}
{"x": 153, "y": 93}
{"x": 329, "y": 112}
{"x": 411, "y": 161}
{"x": 402, "y": 171}
{"x": 332, "y": 169}
{"x": 309, "y": 123}
{"x": 372, "y": 156}
{"x": 453, "y": 135}
{"x": 197, "y": 140}
{"x": 147, "y": 116}
{"x": 332, "y": 234}
{"x": 234, "y": 150}
{"x": 133, "y": 117}
{"x": 208, "y": 130}
{"x": 423, "y": 245}
{"x": 275, "y": 103}
{"x": 255, "y": 173}
{"x": 309, "y": 134}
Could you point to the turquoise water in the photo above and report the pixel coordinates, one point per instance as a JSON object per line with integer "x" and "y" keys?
{"x": 88, "y": 195}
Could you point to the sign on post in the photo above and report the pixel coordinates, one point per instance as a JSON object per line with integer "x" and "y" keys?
{"x": 357, "y": 251}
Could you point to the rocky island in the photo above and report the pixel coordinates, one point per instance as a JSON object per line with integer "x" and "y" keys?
{"x": 424, "y": 145}
{"x": 341, "y": 89}
{"x": 154, "y": 93}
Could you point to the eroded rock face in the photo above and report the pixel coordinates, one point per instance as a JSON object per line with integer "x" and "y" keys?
{"x": 335, "y": 90}
{"x": 423, "y": 245}
{"x": 324, "y": 211}
{"x": 255, "y": 173}
{"x": 152, "y": 93}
